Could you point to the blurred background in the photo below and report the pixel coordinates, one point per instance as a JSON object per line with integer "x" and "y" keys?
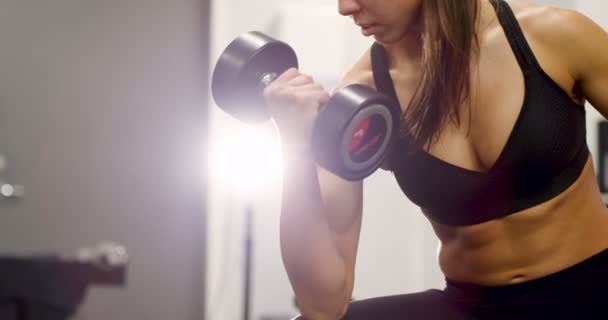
{"x": 125, "y": 193}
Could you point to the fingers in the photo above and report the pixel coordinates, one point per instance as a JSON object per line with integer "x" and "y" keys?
{"x": 296, "y": 88}
{"x": 300, "y": 80}
{"x": 280, "y": 82}
{"x": 291, "y": 77}
{"x": 324, "y": 97}
{"x": 310, "y": 95}
{"x": 287, "y": 75}
{"x": 293, "y": 100}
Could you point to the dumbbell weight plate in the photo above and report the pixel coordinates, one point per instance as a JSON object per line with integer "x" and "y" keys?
{"x": 237, "y": 83}
{"x": 354, "y": 132}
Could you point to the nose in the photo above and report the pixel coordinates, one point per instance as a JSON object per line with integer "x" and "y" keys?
{"x": 348, "y": 7}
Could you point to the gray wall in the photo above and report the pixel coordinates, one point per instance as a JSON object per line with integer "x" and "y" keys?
{"x": 103, "y": 114}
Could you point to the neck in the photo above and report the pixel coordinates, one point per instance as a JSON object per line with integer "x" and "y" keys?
{"x": 408, "y": 48}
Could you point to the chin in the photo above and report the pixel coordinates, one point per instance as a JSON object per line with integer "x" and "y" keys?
{"x": 391, "y": 38}
{"x": 385, "y": 39}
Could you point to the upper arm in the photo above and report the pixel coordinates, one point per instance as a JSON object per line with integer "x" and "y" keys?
{"x": 586, "y": 46}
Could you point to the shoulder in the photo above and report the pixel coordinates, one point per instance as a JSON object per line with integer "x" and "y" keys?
{"x": 360, "y": 72}
{"x": 555, "y": 24}
{"x": 571, "y": 34}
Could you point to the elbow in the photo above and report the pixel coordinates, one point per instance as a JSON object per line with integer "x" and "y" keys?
{"x": 329, "y": 299}
{"x": 328, "y": 314}
{"x": 321, "y": 316}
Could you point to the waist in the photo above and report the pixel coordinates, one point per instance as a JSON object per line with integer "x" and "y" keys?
{"x": 503, "y": 254}
{"x": 587, "y": 275}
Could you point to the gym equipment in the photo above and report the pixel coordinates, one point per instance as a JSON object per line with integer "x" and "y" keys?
{"x": 353, "y": 132}
{"x": 52, "y": 287}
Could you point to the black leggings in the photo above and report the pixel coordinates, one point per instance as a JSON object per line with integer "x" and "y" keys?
{"x": 578, "y": 292}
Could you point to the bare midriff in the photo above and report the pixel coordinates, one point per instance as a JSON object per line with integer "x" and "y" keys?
{"x": 530, "y": 244}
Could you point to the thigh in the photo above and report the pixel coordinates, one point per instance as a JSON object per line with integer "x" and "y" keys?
{"x": 430, "y": 304}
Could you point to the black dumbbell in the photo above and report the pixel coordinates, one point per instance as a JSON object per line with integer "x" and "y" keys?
{"x": 353, "y": 132}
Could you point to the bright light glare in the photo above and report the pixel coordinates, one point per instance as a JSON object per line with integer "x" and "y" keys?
{"x": 246, "y": 159}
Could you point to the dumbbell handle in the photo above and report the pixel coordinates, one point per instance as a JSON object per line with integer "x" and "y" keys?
{"x": 248, "y": 64}
{"x": 267, "y": 78}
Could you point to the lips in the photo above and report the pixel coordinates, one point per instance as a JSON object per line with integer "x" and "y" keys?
{"x": 365, "y": 25}
{"x": 367, "y": 29}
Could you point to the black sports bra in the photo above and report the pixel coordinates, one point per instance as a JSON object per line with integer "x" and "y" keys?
{"x": 544, "y": 154}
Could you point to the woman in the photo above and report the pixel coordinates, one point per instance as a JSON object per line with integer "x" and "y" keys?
{"x": 492, "y": 148}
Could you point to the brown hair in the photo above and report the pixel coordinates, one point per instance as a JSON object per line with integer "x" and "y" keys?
{"x": 449, "y": 40}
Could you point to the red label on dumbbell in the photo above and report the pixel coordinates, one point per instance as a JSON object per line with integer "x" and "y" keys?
{"x": 358, "y": 134}
{"x": 367, "y": 138}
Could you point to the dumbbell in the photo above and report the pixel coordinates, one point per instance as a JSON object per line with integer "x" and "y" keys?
{"x": 354, "y": 130}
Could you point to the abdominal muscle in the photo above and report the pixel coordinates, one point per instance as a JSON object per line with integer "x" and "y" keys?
{"x": 529, "y": 244}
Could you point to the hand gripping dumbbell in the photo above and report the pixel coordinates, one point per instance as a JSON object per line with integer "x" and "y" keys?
{"x": 354, "y": 130}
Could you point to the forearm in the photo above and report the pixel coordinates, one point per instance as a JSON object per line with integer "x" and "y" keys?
{"x": 317, "y": 266}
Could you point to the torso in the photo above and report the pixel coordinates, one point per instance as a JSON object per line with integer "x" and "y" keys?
{"x": 536, "y": 241}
